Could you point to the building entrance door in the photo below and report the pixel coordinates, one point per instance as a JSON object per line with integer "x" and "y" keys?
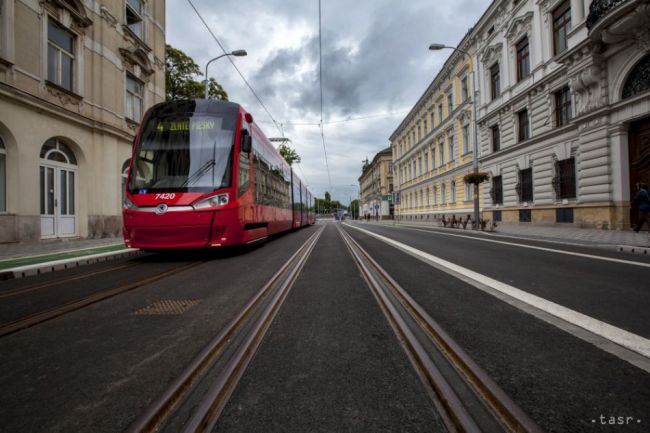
{"x": 58, "y": 170}
{"x": 639, "y": 145}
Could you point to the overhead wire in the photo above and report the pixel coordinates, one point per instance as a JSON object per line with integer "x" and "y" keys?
{"x": 235, "y": 66}
{"x": 320, "y": 83}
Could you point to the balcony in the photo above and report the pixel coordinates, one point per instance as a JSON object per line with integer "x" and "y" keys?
{"x": 612, "y": 21}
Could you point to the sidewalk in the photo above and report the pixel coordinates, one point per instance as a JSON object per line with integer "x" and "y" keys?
{"x": 572, "y": 235}
{"x": 24, "y": 254}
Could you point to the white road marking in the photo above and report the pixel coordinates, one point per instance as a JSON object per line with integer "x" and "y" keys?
{"x": 612, "y": 333}
{"x": 532, "y": 247}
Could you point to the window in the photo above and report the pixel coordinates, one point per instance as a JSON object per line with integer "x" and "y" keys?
{"x": 465, "y": 139}
{"x": 562, "y": 106}
{"x": 523, "y": 126}
{"x": 523, "y": 59}
{"x": 452, "y": 193}
{"x": 561, "y": 27}
{"x": 469, "y": 191}
{"x": 443, "y": 194}
{"x": 440, "y": 113}
{"x": 525, "y": 185}
{"x": 435, "y": 195}
{"x": 134, "y": 14}
{"x": 497, "y": 190}
{"x": 433, "y": 156}
{"x": 464, "y": 91}
{"x": 425, "y": 125}
{"x": 495, "y": 81}
{"x": 564, "y": 181}
{"x": 426, "y": 161}
{"x": 419, "y": 133}
{"x": 525, "y": 215}
{"x": 431, "y": 114}
{"x": 421, "y": 198}
{"x": 3, "y": 177}
{"x": 442, "y": 151}
{"x": 60, "y": 55}
{"x": 419, "y": 165}
{"x": 564, "y": 215}
{"x": 134, "y": 96}
{"x": 450, "y": 103}
{"x": 428, "y": 197}
{"x": 496, "y": 138}
{"x": 452, "y": 148}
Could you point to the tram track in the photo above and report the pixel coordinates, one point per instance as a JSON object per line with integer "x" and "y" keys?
{"x": 467, "y": 399}
{"x": 61, "y": 310}
{"x": 227, "y": 355}
{"x": 33, "y": 287}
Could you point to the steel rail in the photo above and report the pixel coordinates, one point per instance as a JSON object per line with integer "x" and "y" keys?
{"x": 499, "y": 404}
{"x": 28, "y": 289}
{"x": 52, "y": 313}
{"x": 164, "y": 406}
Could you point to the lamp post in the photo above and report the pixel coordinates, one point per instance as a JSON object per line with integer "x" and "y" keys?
{"x": 436, "y": 47}
{"x": 236, "y": 53}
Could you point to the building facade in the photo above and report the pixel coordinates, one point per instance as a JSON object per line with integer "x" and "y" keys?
{"x": 433, "y": 146}
{"x": 564, "y": 109}
{"x": 376, "y": 187}
{"x": 75, "y": 79}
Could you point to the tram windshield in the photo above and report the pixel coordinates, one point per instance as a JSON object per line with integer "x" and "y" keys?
{"x": 185, "y": 153}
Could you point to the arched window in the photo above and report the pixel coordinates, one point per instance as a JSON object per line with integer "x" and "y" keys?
{"x": 639, "y": 79}
{"x": 55, "y": 150}
{"x": 3, "y": 177}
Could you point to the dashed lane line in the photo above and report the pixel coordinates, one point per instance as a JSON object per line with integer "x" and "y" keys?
{"x": 626, "y": 339}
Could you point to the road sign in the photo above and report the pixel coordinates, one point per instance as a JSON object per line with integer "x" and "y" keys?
{"x": 376, "y": 206}
{"x": 387, "y": 197}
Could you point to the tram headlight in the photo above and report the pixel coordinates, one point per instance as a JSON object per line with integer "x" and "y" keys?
{"x": 214, "y": 201}
{"x": 128, "y": 204}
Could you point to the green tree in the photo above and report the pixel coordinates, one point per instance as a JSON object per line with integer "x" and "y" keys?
{"x": 354, "y": 208}
{"x": 289, "y": 154}
{"x": 180, "y": 82}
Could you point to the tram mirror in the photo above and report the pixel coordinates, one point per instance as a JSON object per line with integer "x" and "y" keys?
{"x": 246, "y": 141}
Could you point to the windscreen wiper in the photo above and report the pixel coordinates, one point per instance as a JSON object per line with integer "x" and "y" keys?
{"x": 198, "y": 173}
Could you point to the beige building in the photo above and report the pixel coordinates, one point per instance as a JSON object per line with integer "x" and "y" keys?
{"x": 75, "y": 79}
{"x": 433, "y": 146}
{"x": 376, "y": 187}
{"x": 564, "y": 111}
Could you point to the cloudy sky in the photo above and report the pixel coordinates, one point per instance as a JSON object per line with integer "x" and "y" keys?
{"x": 375, "y": 65}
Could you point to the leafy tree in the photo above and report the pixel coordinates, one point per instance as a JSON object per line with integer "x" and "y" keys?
{"x": 289, "y": 154}
{"x": 328, "y": 197}
{"x": 354, "y": 208}
{"x": 180, "y": 73}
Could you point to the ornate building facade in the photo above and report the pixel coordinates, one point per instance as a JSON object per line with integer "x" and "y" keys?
{"x": 75, "y": 79}
{"x": 376, "y": 187}
{"x": 433, "y": 145}
{"x": 564, "y": 109}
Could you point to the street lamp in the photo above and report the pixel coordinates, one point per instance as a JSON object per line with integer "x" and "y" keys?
{"x": 437, "y": 47}
{"x": 236, "y": 53}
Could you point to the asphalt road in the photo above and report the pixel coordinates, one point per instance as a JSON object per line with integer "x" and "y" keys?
{"x": 330, "y": 362}
{"x": 564, "y": 383}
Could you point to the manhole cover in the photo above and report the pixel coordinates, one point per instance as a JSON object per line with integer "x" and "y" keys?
{"x": 167, "y": 307}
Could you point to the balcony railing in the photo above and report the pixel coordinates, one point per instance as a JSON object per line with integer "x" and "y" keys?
{"x": 600, "y": 8}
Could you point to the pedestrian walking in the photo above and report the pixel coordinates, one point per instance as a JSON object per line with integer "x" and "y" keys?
{"x": 641, "y": 201}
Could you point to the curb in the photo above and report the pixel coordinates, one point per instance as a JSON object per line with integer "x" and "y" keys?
{"x": 634, "y": 250}
{"x": 59, "y": 265}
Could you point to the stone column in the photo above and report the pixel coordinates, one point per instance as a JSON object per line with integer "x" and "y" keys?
{"x": 620, "y": 163}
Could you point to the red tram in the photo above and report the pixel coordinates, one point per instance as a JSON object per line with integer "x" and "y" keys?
{"x": 204, "y": 175}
